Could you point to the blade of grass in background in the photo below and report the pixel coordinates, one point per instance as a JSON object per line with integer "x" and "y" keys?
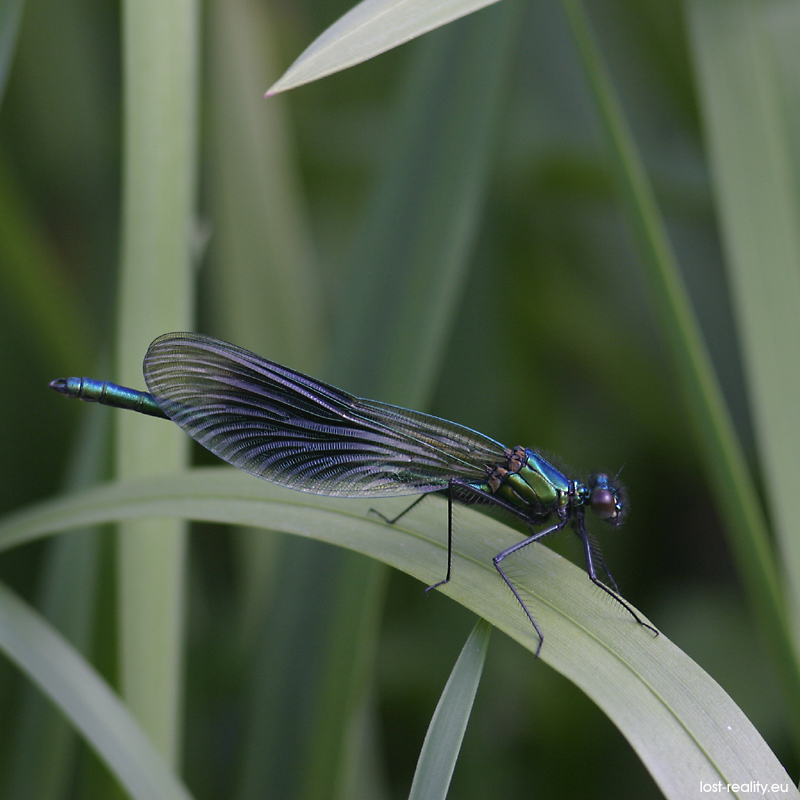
{"x": 87, "y": 701}
{"x": 67, "y": 599}
{"x": 368, "y": 29}
{"x": 34, "y": 282}
{"x": 726, "y": 465}
{"x": 266, "y": 283}
{"x": 754, "y": 162}
{"x": 10, "y": 16}
{"x": 783, "y": 25}
{"x": 437, "y": 760}
{"x": 671, "y": 712}
{"x": 160, "y": 78}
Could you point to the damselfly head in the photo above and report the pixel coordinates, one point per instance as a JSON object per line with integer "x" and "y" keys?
{"x": 606, "y": 500}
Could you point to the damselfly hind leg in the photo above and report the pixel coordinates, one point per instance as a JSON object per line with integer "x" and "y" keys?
{"x": 449, "y": 542}
{"x": 449, "y": 532}
{"x": 405, "y": 511}
{"x": 510, "y": 551}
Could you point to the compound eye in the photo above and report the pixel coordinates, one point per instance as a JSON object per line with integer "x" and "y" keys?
{"x": 604, "y": 503}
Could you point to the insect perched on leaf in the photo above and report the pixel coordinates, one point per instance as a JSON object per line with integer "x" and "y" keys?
{"x": 285, "y": 427}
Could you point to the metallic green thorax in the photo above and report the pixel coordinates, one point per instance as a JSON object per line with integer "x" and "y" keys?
{"x": 530, "y": 483}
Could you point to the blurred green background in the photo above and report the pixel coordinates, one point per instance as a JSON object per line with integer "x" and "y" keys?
{"x": 311, "y": 205}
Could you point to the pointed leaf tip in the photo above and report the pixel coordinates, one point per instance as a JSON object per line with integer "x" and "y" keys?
{"x": 367, "y": 30}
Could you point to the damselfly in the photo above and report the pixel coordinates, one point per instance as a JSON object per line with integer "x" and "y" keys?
{"x": 285, "y": 427}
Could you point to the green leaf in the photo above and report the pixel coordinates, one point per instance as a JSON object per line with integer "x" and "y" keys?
{"x": 68, "y": 597}
{"x": 437, "y": 760}
{"x": 264, "y": 265}
{"x": 10, "y": 15}
{"x": 161, "y": 80}
{"x": 367, "y": 30}
{"x": 69, "y": 681}
{"x": 755, "y": 169}
{"x": 668, "y": 708}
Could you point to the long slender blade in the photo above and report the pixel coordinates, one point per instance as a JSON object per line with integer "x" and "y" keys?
{"x": 299, "y": 432}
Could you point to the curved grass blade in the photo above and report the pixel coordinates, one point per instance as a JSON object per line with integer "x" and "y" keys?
{"x": 161, "y": 79}
{"x": 367, "y": 30}
{"x": 667, "y": 707}
{"x": 437, "y": 760}
{"x": 755, "y": 161}
{"x": 69, "y": 681}
{"x": 67, "y": 597}
{"x": 10, "y": 16}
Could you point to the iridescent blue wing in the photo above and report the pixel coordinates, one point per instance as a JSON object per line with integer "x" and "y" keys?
{"x": 296, "y": 431}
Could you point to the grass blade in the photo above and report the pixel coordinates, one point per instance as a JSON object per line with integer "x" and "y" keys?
{"x": 370, "y": 28}
{"x": 10, "y": 16}
{"x": 84, "y": 697}
{"x": 437, "y": 760}
{"x": 161, "y": 45}
{"x": 746, "y": 110}
{"x": 667, "y": 707}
